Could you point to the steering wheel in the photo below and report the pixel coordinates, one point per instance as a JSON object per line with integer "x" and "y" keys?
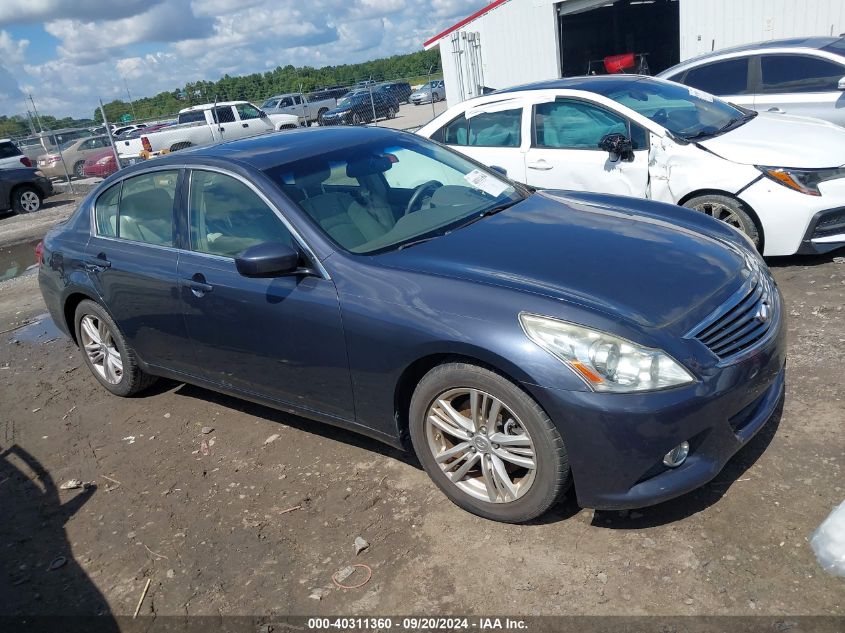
{"x": 419, "y": 193}
{"x": 660, "y": 117}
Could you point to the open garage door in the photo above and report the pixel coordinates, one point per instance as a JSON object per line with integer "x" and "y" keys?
{"x": 593, "y": 30}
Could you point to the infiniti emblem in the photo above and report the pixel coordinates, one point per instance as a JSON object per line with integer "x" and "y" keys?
{"x": 763, "y": 313}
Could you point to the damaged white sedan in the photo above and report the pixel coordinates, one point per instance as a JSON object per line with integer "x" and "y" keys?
{"x": 778, "y": 179}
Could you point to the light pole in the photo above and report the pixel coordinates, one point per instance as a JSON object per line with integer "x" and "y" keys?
{"x": 131, "y": 105}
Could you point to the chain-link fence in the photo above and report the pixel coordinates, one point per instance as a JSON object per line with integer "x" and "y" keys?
{"x": 68, "y": 154}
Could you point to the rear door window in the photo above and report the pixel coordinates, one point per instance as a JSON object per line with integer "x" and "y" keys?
{"x": 140, "y": 209}
{"x": 488, "y": 129}
{"x": 728, "y": 77}
{"x": 225, "y": 114}
{"x": 799, "y": 73}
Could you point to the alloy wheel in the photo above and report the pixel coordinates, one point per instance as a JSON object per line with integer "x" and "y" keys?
{"x": 30, "y": 201}
{"x": 481, "y": 445}
{"x": 99, "y": 346}
{"x": 721, "y": 212}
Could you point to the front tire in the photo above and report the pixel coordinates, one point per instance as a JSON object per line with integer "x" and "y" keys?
{"x": 730, "y": 211}
{"x": 110, "y": 358}
{"x": 26, "y": 200}
{"x": 487, "y": 444}
{"x": 79, "y": 169}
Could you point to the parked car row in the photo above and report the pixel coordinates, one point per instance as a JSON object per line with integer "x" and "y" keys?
{"x": 202, "y": 125}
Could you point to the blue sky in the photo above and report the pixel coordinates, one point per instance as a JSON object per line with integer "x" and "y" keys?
{"x": 67, "y": 53}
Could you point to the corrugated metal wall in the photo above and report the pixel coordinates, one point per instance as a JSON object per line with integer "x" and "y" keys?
{"x": 518, "y": 45}
{"x": 709, "y": 24}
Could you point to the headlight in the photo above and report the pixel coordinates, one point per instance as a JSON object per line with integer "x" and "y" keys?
{"x": 603, "y": 361}
{"x": 803, "y": 180}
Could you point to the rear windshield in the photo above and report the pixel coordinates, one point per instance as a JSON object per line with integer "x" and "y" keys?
{"x": 8, "y": 150}
{"x": 192, "y": 117}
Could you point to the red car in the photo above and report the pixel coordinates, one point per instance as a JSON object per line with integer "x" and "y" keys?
{"x": 100, "y": 164}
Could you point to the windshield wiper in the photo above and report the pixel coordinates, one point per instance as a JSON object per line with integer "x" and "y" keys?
{"x": 727, "y": 127}
{"x": 485, "y": 214}
{"x": 422, "y": 240}
{"x": 475, "y": 218}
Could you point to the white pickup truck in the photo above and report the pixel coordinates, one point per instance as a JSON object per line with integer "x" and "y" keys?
{"x": 298, "y": 104}
{"x": 203, "y": 125}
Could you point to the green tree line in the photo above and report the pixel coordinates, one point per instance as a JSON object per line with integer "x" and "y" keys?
{"x": 17, "y": 124}
{"x": 258, "y": 86}
{"x": 254, "y": 87}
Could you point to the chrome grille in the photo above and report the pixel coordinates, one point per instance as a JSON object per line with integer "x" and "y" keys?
{"x": 744, "y": 321}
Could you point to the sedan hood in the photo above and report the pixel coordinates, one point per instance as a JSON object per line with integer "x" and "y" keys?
{"x": 778, "y": 140}
{"x": 651, "y": 267}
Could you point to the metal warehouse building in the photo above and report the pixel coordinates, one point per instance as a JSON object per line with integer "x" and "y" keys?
{"x": 510, "y": 42}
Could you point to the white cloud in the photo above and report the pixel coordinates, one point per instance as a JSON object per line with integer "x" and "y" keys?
{"x": 12, "y": 51}
{"x": 12, "y": 11}
{"x": 90, "y": 42}
{"x": 159, "y": 45}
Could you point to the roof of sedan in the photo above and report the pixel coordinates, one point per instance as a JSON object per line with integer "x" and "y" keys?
{"x": 588, "y": 83}
{"x": 269, "y": 150}
{"x": 794, "y": 42}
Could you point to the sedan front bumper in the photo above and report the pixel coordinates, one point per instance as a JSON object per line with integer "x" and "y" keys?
{"x": 616, "y": 442}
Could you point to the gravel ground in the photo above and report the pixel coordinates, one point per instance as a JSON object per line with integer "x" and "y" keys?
{"x": 232, "y": 508}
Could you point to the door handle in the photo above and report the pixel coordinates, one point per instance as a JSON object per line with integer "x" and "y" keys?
{"x": 776, "y": 110}
{"x": 244, "y": 124}
{"x": 197, "y": 285}
{"x": 96, "y": 264}
{"x": 540, "y": 165}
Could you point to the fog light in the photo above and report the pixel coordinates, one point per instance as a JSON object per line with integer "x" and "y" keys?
{"x": 677, "y": 455}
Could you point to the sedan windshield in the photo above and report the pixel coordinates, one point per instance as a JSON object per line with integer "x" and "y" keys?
{"x": 686, "y": 112}
{"x": 384, "y": 195}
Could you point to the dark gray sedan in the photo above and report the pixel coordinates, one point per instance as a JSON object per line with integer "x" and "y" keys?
{"x": 23, "y": 190}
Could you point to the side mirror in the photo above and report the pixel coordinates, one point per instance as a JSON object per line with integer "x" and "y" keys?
{"x": 841, "y": 84}
{"x": 499, "y": 170}
{"x": 269, "y": 259}
{"x": 618, "y": 146}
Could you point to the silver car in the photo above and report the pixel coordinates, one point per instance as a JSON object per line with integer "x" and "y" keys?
{"x": 802, "y": 76}
{"x": 430, "y": 92}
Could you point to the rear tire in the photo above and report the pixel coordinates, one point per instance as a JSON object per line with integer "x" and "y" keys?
{"x": 730, "y": 211}
{"x": 26, "y": 199}
{"x": 320, "y": 115}
{"x": 357, "y": 119}
{"x": 110, "y": 358}
{"x": 516, "y": 423}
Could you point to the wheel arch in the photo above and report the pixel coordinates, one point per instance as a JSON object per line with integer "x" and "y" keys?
{"x": 414, "y": 372}
{"x": 727, "y": 194}
{"x": 24, "y": 185}
{"x": 69, "y": 310}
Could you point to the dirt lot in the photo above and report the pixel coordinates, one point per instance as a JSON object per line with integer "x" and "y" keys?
{"x": 255, "y": 516}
